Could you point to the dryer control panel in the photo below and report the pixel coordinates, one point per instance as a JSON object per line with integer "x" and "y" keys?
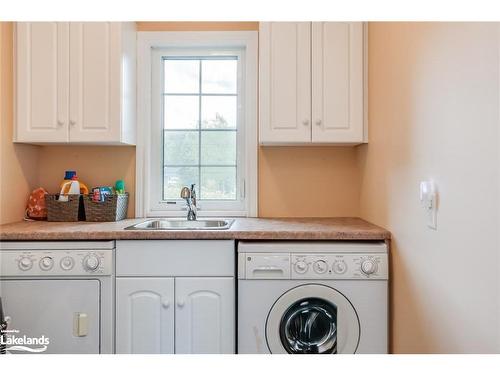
{"x": 313, "y": 266}
{"x": 58, "y": 262}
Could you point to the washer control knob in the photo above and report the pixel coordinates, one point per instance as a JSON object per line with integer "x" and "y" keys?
{"x": 67, "y": 263}
{"x": 46, "y": 263}
{"x": 301, "y": 266}
{"x": 320, "y": 266}
{"x": 339, "y": 267}
{"x": 91, "y": 262}
{"x": 368, "y": 267}
{"x": 25, "y": 264}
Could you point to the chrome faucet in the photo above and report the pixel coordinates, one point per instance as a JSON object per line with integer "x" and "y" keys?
{"x": 190, "y": 196}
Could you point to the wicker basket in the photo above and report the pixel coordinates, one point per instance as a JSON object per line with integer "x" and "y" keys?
{"x": 114, "y": 208}
{"x": 70, "y": 210}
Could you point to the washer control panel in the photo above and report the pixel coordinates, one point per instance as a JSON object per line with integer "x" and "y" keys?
{"x": 313, "y": 266}
{"x": 56, "y": 262}
{"x": 339, "y": 266}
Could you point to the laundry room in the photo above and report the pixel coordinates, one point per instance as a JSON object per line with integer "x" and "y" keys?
{"x": 247, "y": 184}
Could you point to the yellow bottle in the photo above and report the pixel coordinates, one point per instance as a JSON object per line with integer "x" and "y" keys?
{"x": 68, "y": 177}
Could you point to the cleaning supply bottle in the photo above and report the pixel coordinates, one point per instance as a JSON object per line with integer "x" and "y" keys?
{"x": 120, "y": 187}
{"x": 68, "y": 175}
{"x": 69, "y": 187}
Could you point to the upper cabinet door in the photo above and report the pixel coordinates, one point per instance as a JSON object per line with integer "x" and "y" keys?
{"x": 95, "y": 74}
{"x": 75, "y": 82}
{"x": 204, "y": 315}
{"x": 337, "y": 82}
{"x": 42, "y": 75}
{"x": 145, "y": 315}
{"x": 285, "y": 82}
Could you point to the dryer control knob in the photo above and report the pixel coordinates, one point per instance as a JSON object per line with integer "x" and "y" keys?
{"x": 301, "y": 266}
{"x": 91, "y": 262}
{"x": 25, "y": 264}
{"x": 67, "y": 263}
{"x": 368, "y": 267}
{"x": 46, "y": 263}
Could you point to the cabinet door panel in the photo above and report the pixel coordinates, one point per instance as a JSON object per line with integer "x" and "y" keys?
{"x": 42, "y": 74}
{"x": 145, "y": 315}
{"x": 285, "y": 82}
{"x": 204, "y": 315}
{"x": 95, "y": 81}
{"x": 337, "y": 82}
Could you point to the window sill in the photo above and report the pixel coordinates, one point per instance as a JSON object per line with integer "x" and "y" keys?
{"x": 201, "y": 213}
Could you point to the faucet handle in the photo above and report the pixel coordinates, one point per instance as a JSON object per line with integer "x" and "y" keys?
{"x": 185, "y": 192}
{"x": 193, "y": 192}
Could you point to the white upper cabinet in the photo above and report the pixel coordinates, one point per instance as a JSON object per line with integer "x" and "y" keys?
{"x": 75, "y": 82}
{"x": 337, "y": 82}
{"x": 285, "y": 82}
{"x": 204, "y": 315}
{"x": 312, "y": 83}
{"x": 42, "y": 82}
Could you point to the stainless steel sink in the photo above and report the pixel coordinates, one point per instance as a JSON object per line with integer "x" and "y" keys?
{"x": 182, "y": 224}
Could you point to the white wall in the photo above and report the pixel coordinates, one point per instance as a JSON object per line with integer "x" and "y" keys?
{"x": 434, "y": 113}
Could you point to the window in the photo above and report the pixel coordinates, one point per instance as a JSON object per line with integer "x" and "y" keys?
{"x": 199, "y": 106}
{"x": 200, "y": 126}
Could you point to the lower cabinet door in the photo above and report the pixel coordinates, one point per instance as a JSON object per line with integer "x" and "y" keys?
{"x": 205, "y": 315}
{"x": 144, "y": 315}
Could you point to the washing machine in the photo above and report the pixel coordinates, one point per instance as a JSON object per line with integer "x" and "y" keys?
{"x": 312, "y": 297}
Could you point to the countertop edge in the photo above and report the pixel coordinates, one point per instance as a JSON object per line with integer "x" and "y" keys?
{"x": 310, "y": 236}
{"x": 259, "y": 229}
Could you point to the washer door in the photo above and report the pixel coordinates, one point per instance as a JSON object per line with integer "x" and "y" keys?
{"x": 312, "y": 319}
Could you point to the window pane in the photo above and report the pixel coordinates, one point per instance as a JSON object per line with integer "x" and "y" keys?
{"x": 182, "y": 76}
{"x": 181, "y": 148}
{"x": 218, "y": 112}
{"x": 177, "y": 177}
{"x": 218, "y": 147}
{"x": 181, "y": 112}
{"x": 218, "y": 183}
{"x": 219, "y": 76}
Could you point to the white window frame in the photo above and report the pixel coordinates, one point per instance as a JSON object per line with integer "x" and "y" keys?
{"x": 148, "y": 43}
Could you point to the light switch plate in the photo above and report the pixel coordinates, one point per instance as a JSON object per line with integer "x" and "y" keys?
{"x": 428, "y": 199}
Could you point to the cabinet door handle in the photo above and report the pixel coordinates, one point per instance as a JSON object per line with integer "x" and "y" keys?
{"x": 60, "y": 123}
{"x": 305, "y": 122}
{"x": 165, "y": 303}
{"x": 181, "y": 303}
{"x": 72, "y": 122}
{"x": 318, "y": 122}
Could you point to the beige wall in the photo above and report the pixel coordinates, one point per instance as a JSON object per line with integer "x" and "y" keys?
{"x": 329, "y": 172}
{"x": 434, "y": 114}
{"x": 308, "y": 181}
{"x": 196, "y": 26}
{"x": 18, "y": 163}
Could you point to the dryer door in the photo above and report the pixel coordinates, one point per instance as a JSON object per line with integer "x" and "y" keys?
{"x": 312, "y": 319}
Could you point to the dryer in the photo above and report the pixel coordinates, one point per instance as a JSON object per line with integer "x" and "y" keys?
{"x": 312, "y": 297}
{"x": 59, "y": 295}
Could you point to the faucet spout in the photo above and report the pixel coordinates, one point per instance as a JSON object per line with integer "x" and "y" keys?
{"x": 190, "y": 196}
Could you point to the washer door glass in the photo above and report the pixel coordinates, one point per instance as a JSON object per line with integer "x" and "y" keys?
{"x": 309, "y": 326}
{"x": 312, "y": 318}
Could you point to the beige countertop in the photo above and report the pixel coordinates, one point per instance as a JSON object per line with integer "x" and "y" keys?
{"x": 342, "y": 228}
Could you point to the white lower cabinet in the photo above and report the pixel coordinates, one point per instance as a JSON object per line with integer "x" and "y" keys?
{"x": 145, "y": 315}
{"x": 175, "y": 297}
{"x": 204, "y": 315}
